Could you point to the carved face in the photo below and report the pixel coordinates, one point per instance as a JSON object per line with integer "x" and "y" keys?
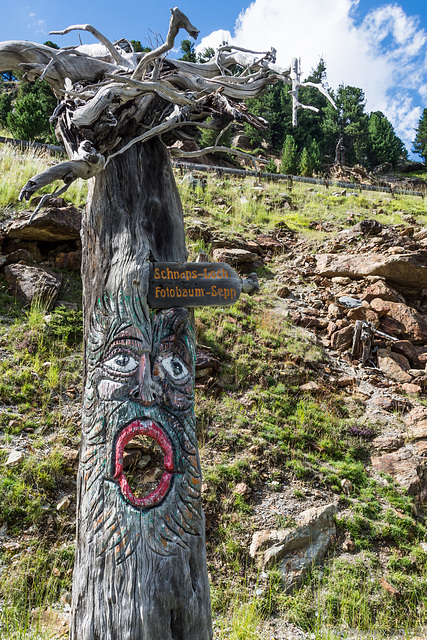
{"x": 139, "y": 393}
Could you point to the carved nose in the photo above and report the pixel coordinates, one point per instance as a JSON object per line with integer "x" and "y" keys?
{"x": 144, "y": 392}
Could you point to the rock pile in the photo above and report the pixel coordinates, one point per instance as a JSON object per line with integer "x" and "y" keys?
{"x": 374, "y": 278}
{"x": 379, "y": 280}
{"x": 28, "y": 251}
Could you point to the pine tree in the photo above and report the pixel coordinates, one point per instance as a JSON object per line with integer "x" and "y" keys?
{"x": 27, "y": 120}
{"x": 275, "y": 105}
{"x": 305, "y": 166}
{"x": 187, "y": 48}
{"x": 383, "y": 144}
{"x": 270, "y": 167}
{"x": 137, "y": 46}
{"x": 289, "y": 162}
{"x": 5, "y": 108}
{"x": 33, "y": 125}
{"x": 309, "y": 122}
{"x": 315, "y": 156}
{"x": 51, "y": 44}
{"x": 345, "y": 129}
{"x": 208, "y": 138}
{"x": 206, "y": 54}
{"x": 420, "y": 142}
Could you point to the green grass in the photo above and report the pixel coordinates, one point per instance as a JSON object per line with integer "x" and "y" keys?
{"x": 17, "y": 167}
{"x": 40, "y": 573}
{"x": 43, "y": 353}
{"x": 264, "y": 209}
{"x": 349, "y": 594}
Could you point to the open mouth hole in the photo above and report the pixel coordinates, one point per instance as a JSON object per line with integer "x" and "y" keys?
{"x": 143, "y": 465}
{"x": 146, "y": 476}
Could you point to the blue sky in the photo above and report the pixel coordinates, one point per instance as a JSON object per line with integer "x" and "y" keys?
{"x": 376, "y": 45}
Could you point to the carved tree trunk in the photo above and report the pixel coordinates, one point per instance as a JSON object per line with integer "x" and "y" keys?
{"x": 140, "y": 570}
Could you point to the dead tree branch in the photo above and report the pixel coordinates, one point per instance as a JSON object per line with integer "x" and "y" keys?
{"x": 178, "y": 21}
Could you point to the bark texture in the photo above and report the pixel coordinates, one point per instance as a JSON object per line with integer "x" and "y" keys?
{"x": 140, "y": 571}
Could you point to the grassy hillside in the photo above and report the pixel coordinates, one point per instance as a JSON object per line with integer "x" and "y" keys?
{"x": 264, "y": 441}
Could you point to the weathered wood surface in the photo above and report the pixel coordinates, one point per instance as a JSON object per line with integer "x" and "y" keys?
{"x": 363, "y": 339}
{"x": 140, "y": 570}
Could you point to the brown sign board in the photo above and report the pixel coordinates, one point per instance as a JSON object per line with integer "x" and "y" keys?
{"x": 192, "y": 284}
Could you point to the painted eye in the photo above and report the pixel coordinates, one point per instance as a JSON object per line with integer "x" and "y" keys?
{"x": 175, "y": 368}
{"x": 121, "y": 364}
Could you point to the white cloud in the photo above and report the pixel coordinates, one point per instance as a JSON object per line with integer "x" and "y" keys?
{"x": 37, "y": 26}
{"x": 214, "y": 40}
{"x": 385, "y": 54}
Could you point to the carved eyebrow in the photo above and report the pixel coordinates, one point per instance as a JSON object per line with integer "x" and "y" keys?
{"x": 131, "y": 342}
{"x": 174, "y": 347}
{"x": 128, "y": 336}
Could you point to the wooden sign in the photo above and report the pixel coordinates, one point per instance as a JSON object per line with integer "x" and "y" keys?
{"x": 192, "y": 284}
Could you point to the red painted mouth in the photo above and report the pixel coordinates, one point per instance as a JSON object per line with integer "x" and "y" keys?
{"x": 151, "y": 430}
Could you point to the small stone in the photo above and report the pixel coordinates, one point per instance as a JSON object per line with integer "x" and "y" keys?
{"x": 346, "y": 381}
{"x": 152, "y": 476}
{"x": 283, "y": 292}
{"x": 310, "y": 386}
{"x": 341, "y": 280}
{"x": 66, "y": 597}
{"x": 242, "y": 489}
{"x": 343, "y": 338}
{"x": 350, "y": 303}
{"x": 14, "y": 458}
{"x": 364, "y": 314}
{"x": 411, "y": 389}
{"x": 348, "y": 545}
{"x": 63, "y": 504}
{"x": 416, "y": 373}
{"x": 388, "y": 443}
{"x": 143, "y": 462}
{"x": 71, "y": 260}
{"x": 131, "y": 458}
{"x": 334, "y": 311}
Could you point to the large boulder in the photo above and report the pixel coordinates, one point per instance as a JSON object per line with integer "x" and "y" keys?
{"x": 382, "y": 290}
{"x": 408, "y": 467}
{"x": 296, "y": 551}
{"x": 49, "y": 225}
{"x": 401, "y": 320}
{"x": 239, "y": 258}
{"x": 394, "y": 365}
{"x": 27, "y": 283}
{"x": 409, "y": 270}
